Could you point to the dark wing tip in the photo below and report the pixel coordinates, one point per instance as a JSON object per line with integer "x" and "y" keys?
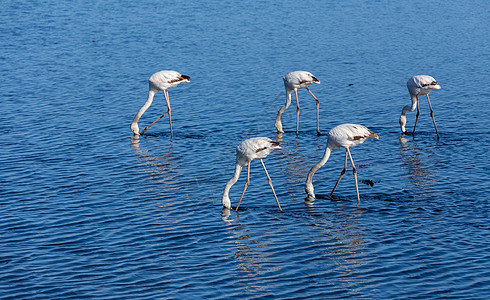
{"x": 429, "y": 84}
{"x": 260, "y": 149}
{"x": 180, "y": 78}
{"x": 370, "y": 135}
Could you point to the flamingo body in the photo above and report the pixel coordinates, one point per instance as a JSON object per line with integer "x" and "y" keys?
{"x": 292, "y": 82}
{"x": 249, "y": 150}
{"x": 417, "y": 86}
{"x": 254, "y": 148}
{"x": 160, "y": 81}
{"x": 342, "y": 136}
{"x": 348, "y": 136}
{"x": 299, "y": 80}
{"x": 422, "y": 85}
{"x": 164, "y": 80}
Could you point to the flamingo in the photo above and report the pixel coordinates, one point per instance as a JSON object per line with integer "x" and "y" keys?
{"x": 292, "y": 82}
{"x": 160, "y": 81}
{"x": 346, "y": 136}
{"x": 419, "y": 85}
{"x": 248, "y": 150}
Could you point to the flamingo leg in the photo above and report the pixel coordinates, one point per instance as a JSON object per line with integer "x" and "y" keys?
{"x": 416, "y": 117}
{"x": 317, "y": 112}
{"x": 245, "y": 187}
{"x": 165, "y": 92}
{"x": 354, "y": 171}
{"x": 297, "y": 111}
{"x": 432, "y": 115}
{"x": 341, "y": 174}
{"x": 143, "y": 131}
{"x": 270, "y": 183}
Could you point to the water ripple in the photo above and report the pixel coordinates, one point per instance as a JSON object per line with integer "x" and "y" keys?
{"x": 90, "y": 212}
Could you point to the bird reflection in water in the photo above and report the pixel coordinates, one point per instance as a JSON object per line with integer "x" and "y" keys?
{"x": 325, "y": 242}
{"x": 161, "y": 168}
{"x": 339, "y": 244}
{"x": 419, "y": 164}
{"x": 254, "y": 250}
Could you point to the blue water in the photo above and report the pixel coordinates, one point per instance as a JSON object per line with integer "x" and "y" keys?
{"x": 89, "y": 212}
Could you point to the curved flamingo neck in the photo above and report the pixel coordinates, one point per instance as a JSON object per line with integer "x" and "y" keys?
{"x": 226, "y": 199}
{"x": 309, "y": 186}
{"x": 412, "y": 107}
{"x": 278, "y": 123}
{"x": 149, "y": 100}
{"x": 323, "y": 161}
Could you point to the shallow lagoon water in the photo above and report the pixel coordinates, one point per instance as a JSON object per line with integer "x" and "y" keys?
{"x": 90, "y": 212}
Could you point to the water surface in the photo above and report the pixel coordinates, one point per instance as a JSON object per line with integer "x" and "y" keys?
{"x": 90, "y": 212}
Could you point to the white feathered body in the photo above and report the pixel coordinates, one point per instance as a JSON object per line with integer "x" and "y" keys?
{"x": 348, "y": 135}
{"x": 293, "y": 81}
{"x": 254, "y": 148}
{"x": 341, "y": 136}
{"x": 417, "y": 85}
{"x": 248, "y": 150}
{"x": 160, "y": 81}
{"x": 422, "y": 85}
{"x": 299, "y": 80}
{"x": 166, "y": 79}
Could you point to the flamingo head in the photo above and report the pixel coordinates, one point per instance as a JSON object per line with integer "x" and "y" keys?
{"x": 403, "y": 121}
{"x": 135, "y": 128}
{"x": 310, "y": 191}
{"x": 226, "y": 201}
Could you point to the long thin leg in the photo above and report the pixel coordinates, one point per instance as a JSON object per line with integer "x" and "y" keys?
{"x": 297, "y": 111}
{"x": 270, "y": 183}
{"x": 416, "y": 117}
{"x": 432, "y": 115}
{"x": 317, "y": 112}
{"x": 143, "y": 131}
{"x": 165, "y": 92}
{"x": 341, "y": 173}
{"x": 354, "y": 171}
{"x": 245, "y": 187}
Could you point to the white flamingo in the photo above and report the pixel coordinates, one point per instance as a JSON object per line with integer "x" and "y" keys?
{"x": 160, "y": 81}
{"x": 248, "y": 150}
{"x": 419, "y": 85}
{"x": 292, "y": 82}
{"x": 346, "y": 136}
